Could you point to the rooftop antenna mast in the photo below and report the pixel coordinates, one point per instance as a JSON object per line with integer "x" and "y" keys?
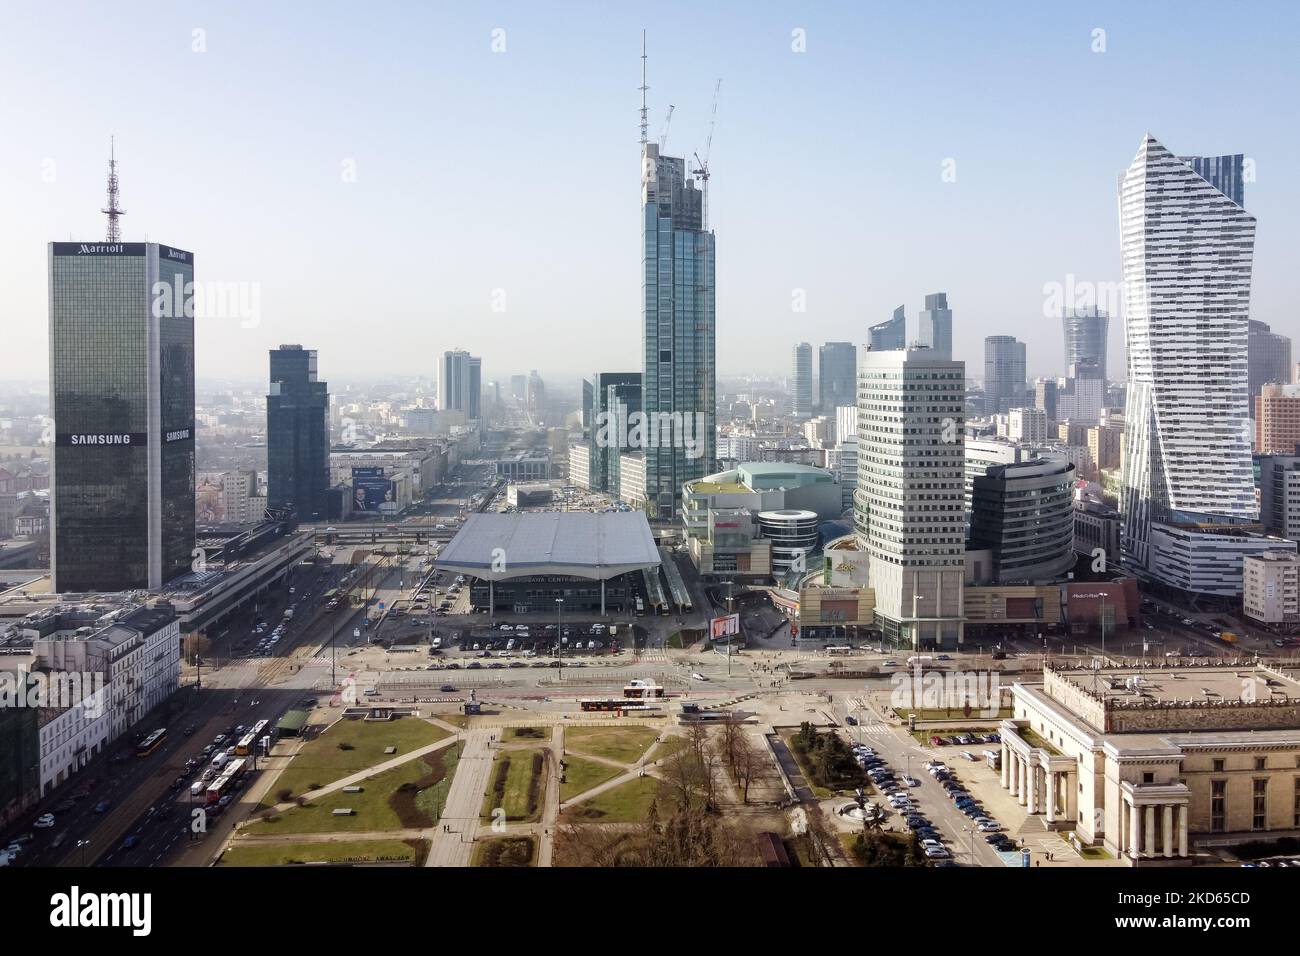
{"x": 113, "y": 212}
{"x": 645, "y": 123}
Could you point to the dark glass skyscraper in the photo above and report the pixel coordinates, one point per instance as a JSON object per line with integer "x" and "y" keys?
{"x": 678, "y": 327}
{"x": 297, "y": 434}
{"x": 122, "y": 398}
{"x": 1004, "y": 374}
{"x": 1268, "y": 359}
{"x": 1085, "y": 339}
{"x": 837, "y": 370}
{"x": 616, "y": 397}
{"x": 890, "y": 334}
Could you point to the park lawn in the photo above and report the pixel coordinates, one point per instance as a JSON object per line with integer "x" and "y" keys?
{"x": 321, "y": 761}
{"x": 672, "y": 745}
{"x": 505, "y": 851}
{"x": 674, "y": 640}
{"x": 412, "y": 852}
{"x": 818, "y": 790}
{"x": 409, "y": 796}
{"x": 624, "y": 744}
{"x": 626, "y": 803}
{"x": 581, "y": 775}
{"x": 513, "y": 734}
{"x": 516, "y": 785}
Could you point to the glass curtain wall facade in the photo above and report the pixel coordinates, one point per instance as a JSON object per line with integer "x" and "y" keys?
{"x": 122, "y": 398}
{"x": 297, "y": 435}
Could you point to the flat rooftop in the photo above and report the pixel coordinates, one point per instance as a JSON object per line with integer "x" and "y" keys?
{"x": 1155, "y": 685}
{"x": 593, "y": 545}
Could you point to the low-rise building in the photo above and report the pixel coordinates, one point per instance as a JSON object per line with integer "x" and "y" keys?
{"x": 1271, "y": 589}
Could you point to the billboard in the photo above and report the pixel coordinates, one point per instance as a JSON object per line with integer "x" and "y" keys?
{"x": 372, "y": 491}
{"x": 726, "y": 626}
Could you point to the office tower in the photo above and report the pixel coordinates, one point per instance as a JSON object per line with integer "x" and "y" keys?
{"x": 588, "y": 404}
{"x": 1004, "y": 374}
{"x": 1082, "y": 399}
{"x": 1024, "y": 514}
{"x": 908, "y": 508}
{"x": 460, "y": 383}
{"x": 1279, "y": 495}
{"x": 837, "y": 376}
{"x": 890, "y": 334}
{"x": 1224, "y": 173}
{"x": 1045, "y": 396}
{"x": 1027, "y": 425}
{"x": 535, "y": 393}
{"x": 846, "y": 422}
{"x": 1085, "y": 339}
{"x": 1187, "y": 494}
{"x": 1277, "y": 420}
{"x": 1104, "y": 444}
{"x": 297, "y": 435}
{"x": 801, "y": 381}
{"x": 1268, "y": 358}
{"x": 122, "y": 397}
{"x": 519, "y": 387}
{"x": 616, "y": 397}
{"x": 936, "y": 325}
{"x": 678, "y": 327}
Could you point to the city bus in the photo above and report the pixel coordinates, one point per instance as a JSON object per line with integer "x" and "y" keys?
{"x": 248, "y": 743}
{"x": 151, "y": 743}
{"x": 841, "y": 650}
{"x": 640, "y": 608}
{"x": 613, "y": 704}
{"x": 225, "y": 784}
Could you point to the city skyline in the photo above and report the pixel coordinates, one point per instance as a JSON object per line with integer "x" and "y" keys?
{"x": 324, "y": 292}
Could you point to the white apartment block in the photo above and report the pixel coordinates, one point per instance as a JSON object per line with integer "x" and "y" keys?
{"x": 1027, "y": 424}
{"x": 1271, "y": 588}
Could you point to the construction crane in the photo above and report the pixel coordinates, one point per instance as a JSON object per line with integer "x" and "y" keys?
{"x": 663, "y": 137}
{"x": 701, "y": 172}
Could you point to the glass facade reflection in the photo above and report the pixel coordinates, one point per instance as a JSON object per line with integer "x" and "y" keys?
{"x": 122, "y": 398}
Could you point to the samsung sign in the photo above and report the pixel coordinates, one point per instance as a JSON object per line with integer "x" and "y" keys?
{"x": 65, "y": 439}
{"x": 178, "y": 434}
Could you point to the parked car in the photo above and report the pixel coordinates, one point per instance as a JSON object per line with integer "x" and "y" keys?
{"x": 44, "y": 821}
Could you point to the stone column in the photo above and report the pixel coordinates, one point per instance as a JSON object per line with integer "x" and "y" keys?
{"x": 1006, "y": 767}
{"x": 1033, "y": 785}
{"x": 1167, "y": 831}
{"x": 1134, "y": 831}
{"x": 1072, "y": 797}
{"x": 1183, "y": 812}
{"x": 1149, "y": 845}
{"x": 1051, "y": 796}
{"x": 1022, "y": 773}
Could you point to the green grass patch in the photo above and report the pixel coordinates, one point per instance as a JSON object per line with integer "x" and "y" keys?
{"x": 581, "y": 775}
{"x": 624, "y": 744}
{"x": 505, "y": 851}
{"x": 410, "y": 796}
{"x": 675, "y": 640}
{"x": 527, "y": 733}
{"x": 516, "y": 786}
{"x": 410, "y": 852}
{"x": 626, "y": 803}
{"x": 348, "y": 747}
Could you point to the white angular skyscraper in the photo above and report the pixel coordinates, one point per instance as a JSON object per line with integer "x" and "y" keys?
{"x": 801, "y": 381}
{"x": 1188, "y": 489}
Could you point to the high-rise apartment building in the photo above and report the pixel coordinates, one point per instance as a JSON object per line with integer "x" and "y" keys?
{"x": 1268, "y": 358}
{"x": 936, "y": 325}
{"x": 837, "y": 376}
{"x": 1277, "y": 420}
{"x": 678, "y": 328}
{"x": 801, "y": 380}
{"x": 1085, "y": 339}
{"x": 122, "y": 398}
{"x": 1045, "y": 391}
{"x": 1004, "y": 374}
{"x": 460, "y": 383}
{"x": 1188, "y": 495}
{"x": 909, "y": 508}
{"x": 890, "y": 334}
{"x": 297, "y": 435}
{"x": 1279, "y": 495}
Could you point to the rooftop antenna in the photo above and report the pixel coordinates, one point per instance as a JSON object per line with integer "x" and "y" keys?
{"x": 113, "y": 212}
{"x": 645, "y": 124}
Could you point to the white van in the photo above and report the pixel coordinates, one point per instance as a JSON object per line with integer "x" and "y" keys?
{"x": 221, "y": 759}
{"x": 197, "y": 787}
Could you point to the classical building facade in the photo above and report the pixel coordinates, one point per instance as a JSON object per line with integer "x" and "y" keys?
{"x": 1147, "y": 762}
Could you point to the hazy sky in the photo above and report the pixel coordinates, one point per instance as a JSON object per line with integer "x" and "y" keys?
{"x": 511, "y": 178}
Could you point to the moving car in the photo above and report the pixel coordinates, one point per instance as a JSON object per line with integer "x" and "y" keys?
{"x": 44, "y": 821}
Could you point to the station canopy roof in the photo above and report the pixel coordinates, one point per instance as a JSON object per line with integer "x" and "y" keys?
{"x": 581, "y": 544}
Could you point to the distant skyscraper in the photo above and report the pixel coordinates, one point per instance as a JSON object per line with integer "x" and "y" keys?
{"x": 936, "y": 325}
{"x": 890, "y": 334}
{"x": 122, "y": 397}
{"x": 1085, "y": 338}
{"x": 1268, "y": 358}
{"x": 1045, "y": 390}
{"x": 909, "y": 507}
{"x": 616, "y": 396}
{"x": 460, "y": 383}
{"x": 297, "y": 435}
{"x": 801, "y": 381}
{"x": 678, "y": 327}
{"x": 1224, "y": 173}
{"x": 1188, "y": 485}
{"x": 837, "y": 376}
{"x": 1004, "y": 374}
